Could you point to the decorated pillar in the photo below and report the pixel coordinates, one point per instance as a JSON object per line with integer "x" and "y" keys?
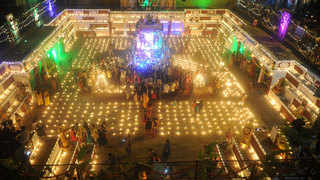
{"x": 163, "y": 4}
{"x": 130, "y": 30}
{"x": 171, "y": 4}
{"x": 170, "y": 26}
{"x": 110, "y": 28}
{"x": 252, "y": 69}
{"x": 125, "y": 28}
{"x": 64, "y": 140}
{"x": 186, "y": 44}
{"x": 247, "y": 133}
{"x": 269, "y": 83}
{"x": 122, "y": 3}
{"x": 229, "y": 136}
{"x": 232, "y": 58}
{"x": 261, "y": 74}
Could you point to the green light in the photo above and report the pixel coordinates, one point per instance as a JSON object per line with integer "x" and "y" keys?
{"x": 58, "y": 55}
{"x": 40, "y": 67}
{"x": 54, "y": 54}
{"x": 35, "y": 14}
{"x": 145, "y": 3}
{"x": 32, "y": 2}
{"x": 241, "y": 48}
{"x": 247, "y": 54}
{"x": 60, "y": 48}
{"x": 203, "y": 3}
{"x": 32, "y": 80}
{"x": 234, "y": 45}
{"x": 15, "y": 33}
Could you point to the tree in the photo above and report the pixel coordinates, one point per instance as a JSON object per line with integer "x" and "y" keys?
{"x": 13, "y": 162}
{"x": 300, "y": 139}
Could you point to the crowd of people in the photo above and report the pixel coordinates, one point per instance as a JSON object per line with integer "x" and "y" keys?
{"x": 161, "y": 83}
{"x": 147, "y": 85}
{"x": 299, "y": 33}
{"x": 84, "y": 134}
{"x": 43, "y": 85}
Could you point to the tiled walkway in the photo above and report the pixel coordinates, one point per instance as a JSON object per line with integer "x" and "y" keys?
{"x": 259, "y": 104}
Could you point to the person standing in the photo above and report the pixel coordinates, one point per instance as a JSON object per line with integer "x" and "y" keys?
{"x": 95, "y": 135}
{"x": 46, "y": 98}
{"x": 154, "y": 95}
{"x": 148, "y": 4}
{"x": 150, "y": 156}
{"x": 88, "y": 132}
{"x": 101, "y": 137}
{"x": 155, "y": 4}
{"x": 148, "y": 127}
{"x": 73, "y": 135}
{"x": 112, "y": 161}
{"x": 166, "y": 151}
{"x": 155, "y": 126}
{"x": 145, "y": 100}
{"x": 129, "y": 146}
{"x": 200, "y": 105}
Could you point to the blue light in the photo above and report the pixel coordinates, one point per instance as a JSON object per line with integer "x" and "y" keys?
{"x": 148, "y": 40}
{"x": 166, "y": 171}
{"x": 50, "y": 8}
{"x": 150, "y": 50}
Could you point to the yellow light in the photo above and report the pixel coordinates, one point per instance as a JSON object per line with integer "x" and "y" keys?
{"x": 243, "y": 146}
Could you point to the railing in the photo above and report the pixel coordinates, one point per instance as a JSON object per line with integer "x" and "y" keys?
{"x": 27, "y": 18}
{"x": 3, "y": 34}
{"x": 54, "y": 153}
{"x": 200, "y": 169}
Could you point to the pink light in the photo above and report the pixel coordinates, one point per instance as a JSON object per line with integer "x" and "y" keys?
{"x": 284, "y": 23}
